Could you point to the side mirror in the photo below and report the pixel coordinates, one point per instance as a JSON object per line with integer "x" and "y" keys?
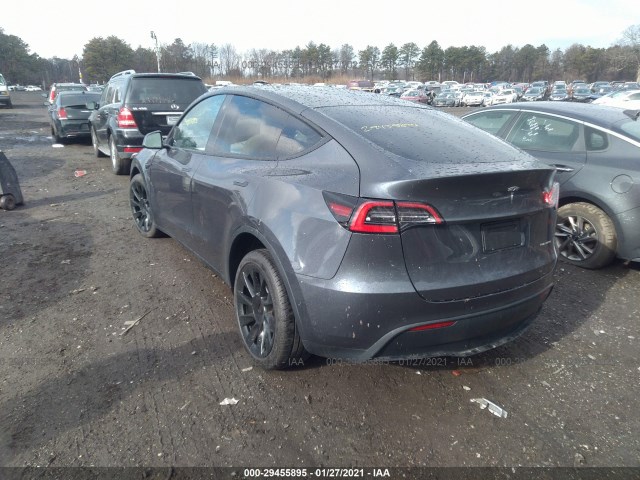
{"x": 153, "y": 140}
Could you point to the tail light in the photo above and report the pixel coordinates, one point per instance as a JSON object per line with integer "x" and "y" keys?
{"x": 125, "y": 119}
{"x": 62, "y": 113}
{"x": 52, "y": 95}
{"x": 379, "y": 216}
{"x": 551, "y": 197}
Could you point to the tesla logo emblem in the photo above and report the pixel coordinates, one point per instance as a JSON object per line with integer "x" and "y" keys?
{"x": 174, "y": 106}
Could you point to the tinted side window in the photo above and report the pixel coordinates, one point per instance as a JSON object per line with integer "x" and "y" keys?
{"x": 491, "y": 122}
{"x": 194, "y": 129}
{"x": 549, "y": 134}
{"x": 255, "y": 129}
{"x": 596, "y": 139}
{"x": 117, "y": 94}
{"x": 107, "y": 95}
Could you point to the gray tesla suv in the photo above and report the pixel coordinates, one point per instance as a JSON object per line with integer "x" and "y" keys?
{"x": 352, "y": 225}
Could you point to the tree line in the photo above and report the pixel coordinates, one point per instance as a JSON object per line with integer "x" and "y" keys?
{"x": 102, "y": 57}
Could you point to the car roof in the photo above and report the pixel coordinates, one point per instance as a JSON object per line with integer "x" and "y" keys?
{"x": 298, "y": 98}
{"x": 190, "y": 76}
{"x": 602, "y": 115}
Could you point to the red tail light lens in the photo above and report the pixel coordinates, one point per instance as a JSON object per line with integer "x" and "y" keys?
{"x": 374, "y": 217}
{"x": 125, "y": 119}
{"x": 551, "y": 197}
{"x": 62, "y": 113}
{"x": 412, "y": 214}
{"x": 379, "y": 216}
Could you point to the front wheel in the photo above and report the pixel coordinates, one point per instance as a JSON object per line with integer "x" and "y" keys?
{"x": 585, "y": 236}
{"x": 141, "y": 209}
{"x": 265, "y": 317}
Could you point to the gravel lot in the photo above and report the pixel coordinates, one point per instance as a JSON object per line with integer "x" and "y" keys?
{"x": 76, "y": 391}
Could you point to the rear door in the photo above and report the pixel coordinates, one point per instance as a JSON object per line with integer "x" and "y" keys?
{"x": 109, "y": 106}
{"x": 555, "y": 140}
{"x": 251, "y": 138}
{"x": 157, "y": 102}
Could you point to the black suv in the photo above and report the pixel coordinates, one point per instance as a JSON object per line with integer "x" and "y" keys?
{"x": 134, "y": 104}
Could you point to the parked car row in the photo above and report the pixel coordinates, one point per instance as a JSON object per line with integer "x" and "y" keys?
{"x": 22, "y": 88}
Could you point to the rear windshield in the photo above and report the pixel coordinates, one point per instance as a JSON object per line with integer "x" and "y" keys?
{"x": 165, "y": 90}
{"x": 72, "y": 99}
{"x": 411, "y": 132}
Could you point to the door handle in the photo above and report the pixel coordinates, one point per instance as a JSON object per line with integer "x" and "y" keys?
{"x": 562, "y": 168}
{"x": 240, "y": 184}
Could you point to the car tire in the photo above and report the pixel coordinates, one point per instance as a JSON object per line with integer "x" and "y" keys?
{"x": 585, "y": 236}
{"x": 140, "y": 209}
{"x": 7, "y": 202}
{"x": 94, "y": 142}
{"x": 264, "y": 313}
{"x": 119, "y": 166}
{"x": 56, "y": 137}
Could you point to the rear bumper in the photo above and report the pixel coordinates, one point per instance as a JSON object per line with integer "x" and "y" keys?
{"x": 73, "y": 128}
{"x": 128, "y": 139}
{"x": 360, "y": 320}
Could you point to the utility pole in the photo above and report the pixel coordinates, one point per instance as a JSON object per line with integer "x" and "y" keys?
{"x": 153, "y": 36}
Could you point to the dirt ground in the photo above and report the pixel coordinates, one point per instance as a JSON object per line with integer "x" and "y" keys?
{"x": 76, "y": 391}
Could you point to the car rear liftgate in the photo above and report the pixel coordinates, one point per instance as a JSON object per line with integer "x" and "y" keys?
{"x": 494, "y": 233}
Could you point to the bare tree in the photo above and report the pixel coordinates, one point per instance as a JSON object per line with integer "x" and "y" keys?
{"x": 229, "y": 60}
{"x": 631, "y": 39}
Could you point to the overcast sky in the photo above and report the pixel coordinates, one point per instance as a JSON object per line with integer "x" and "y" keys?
{"x": 52, "y": 29}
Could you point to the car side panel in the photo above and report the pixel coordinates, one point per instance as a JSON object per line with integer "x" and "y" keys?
{"x": 293, "y": 212}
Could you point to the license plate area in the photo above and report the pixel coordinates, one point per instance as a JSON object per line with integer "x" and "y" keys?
{"x": 172, "y": 119}
{"x": 502, "y": 235}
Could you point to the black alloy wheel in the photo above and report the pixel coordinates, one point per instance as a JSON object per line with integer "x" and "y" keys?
{"x": 264, "y": 313}
{"x": 140, "y": 208}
